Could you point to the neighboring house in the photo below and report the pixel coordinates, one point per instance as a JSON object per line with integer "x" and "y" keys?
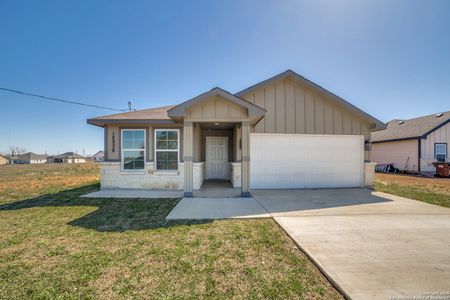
{"x": 30, "y": 158}
{"x": 4, "y": 160}
{"x": 68, "y": 158}
{"x": 99, "y": 156}
{"x": 413, "y": 144}
{"x": 285, "y": 132}
{"x": 11, "y": 159}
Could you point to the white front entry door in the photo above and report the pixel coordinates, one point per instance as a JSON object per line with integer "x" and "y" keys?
{"x": 216, "y": 157}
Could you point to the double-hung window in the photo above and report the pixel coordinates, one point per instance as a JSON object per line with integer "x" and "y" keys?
{"x": 440, "y": 152}
{"x": 133, "y": 149}
{"x": 167, "y": 148}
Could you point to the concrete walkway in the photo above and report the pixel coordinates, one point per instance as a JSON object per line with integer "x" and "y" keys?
{"x": 217, "y": 208}
{"x": 370, "y": 245}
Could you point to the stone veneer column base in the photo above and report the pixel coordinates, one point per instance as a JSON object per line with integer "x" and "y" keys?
{"x": 369, "y": 173}
{"x": 111, "y": 176}
{"x": 236, "y": 174}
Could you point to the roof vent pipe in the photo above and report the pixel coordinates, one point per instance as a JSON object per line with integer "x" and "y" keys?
{"x": 401, "y": 122}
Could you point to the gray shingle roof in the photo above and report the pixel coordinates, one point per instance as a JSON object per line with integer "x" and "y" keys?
{"x": 158, "y": 113}
{"x": 31, "y": 156}
{"x": 68, "y": 155}
{"x": 412, "y": 128}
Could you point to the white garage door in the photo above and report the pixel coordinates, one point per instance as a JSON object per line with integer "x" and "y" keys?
{"x": 279, "y": 161}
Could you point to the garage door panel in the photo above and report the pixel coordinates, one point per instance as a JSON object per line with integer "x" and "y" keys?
{"x": 305, "y": 161}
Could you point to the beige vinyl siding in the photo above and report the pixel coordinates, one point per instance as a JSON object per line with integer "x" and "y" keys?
{"x": 294, "y": 108}
{"x": 440, "y": 135}
{"x": 216, "y": 109}
{"x": 3, "y": 160}
{"x": 397, "y": 153}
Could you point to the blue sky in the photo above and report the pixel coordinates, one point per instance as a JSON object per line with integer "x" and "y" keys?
{"x": 389, "y": 58}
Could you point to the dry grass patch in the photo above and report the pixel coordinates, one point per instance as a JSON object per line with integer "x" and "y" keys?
{"x": 430, "y": 184}
{"x": 19, "y": 181}
{"x": 430, "y": 190}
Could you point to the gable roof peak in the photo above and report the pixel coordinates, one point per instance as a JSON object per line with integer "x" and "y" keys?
{"x": 179, "y": 110}
{"x": 377, "y": 124}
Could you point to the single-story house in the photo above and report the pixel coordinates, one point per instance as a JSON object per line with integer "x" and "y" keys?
{"x": 11, "y": 158}
{"x": 4, "y": 160}
{"x": 30, "y": 158}
{"x": 68, "y": 158}
{"x": 99, "y": 156}
{"x": 284, "y": 132}
{"x": 413, "y": 144}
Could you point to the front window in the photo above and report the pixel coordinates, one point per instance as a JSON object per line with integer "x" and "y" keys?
{"x": 167, "y": 149}
{"x": 133, "y": 149}
{"x": 440, "y": 150}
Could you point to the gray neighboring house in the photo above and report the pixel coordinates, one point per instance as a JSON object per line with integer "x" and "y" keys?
{"x": 413, "y": 144}
{"x": 99, "y": 156}
{"x": 284, "y": 132}
{"x": 30, "y": 158}
{"x": 68, "y": 158}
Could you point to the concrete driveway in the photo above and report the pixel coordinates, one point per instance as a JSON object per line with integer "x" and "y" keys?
{"x": 371, "y": 245}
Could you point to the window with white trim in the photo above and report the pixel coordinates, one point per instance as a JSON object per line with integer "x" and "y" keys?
{"x": 167, "y": 148}
{"x": 440, "y": 152}
{"x": 133, "y": 149}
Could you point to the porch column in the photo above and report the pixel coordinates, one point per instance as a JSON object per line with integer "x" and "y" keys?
{"x": 188, "y": 152}
{"x": 245, "y": 161}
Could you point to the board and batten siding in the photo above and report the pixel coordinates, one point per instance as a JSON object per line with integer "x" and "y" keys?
{"x": 293, "y": 108}
{"x": 216, "y": 109}
{"x": 440, "y": 135}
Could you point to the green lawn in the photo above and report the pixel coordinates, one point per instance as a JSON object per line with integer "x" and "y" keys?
{"x": 60, "y": 246}
{"x": 416, "y": 193}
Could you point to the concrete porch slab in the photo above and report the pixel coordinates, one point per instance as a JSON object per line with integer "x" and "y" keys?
{"x": 134, "y": 193}
{"x": 217, "y": 208}
{"x": 217, "y": 189}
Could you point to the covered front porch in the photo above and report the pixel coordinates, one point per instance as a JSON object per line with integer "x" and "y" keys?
{"x": 216, "y": 132}
{"x": 216, "y": 159}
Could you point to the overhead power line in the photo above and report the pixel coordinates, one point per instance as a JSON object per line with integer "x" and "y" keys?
{"x": 61, "y": 100}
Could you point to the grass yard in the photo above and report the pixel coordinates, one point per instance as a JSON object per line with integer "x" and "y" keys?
{"x": 24, "y": 181}
{"x": 60, "y": 246}
{"x": 431, "y": 190}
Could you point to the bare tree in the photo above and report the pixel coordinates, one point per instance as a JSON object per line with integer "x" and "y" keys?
{"x": 15, "y": 150}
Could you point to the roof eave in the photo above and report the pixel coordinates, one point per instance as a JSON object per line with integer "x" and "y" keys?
{"x": 396, "y": 139}
{"x": 103, "y": 122}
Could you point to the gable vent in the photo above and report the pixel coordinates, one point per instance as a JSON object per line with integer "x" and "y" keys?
{"x": 401, "y": 122}
{"x": 438, "y": 115}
